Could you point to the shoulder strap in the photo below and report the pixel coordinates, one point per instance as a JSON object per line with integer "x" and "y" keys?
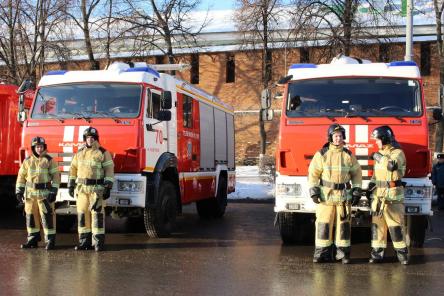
{"x": 103, "y": 150}
{"x": 48, "y": 157}
{"x": 324, "y": 149}
{"x": 347, "y": 151}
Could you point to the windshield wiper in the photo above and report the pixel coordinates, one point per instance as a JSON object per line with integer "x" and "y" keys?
{"x": 79, "y": 116}
{"x": 349, "y": 114}
{"x": 377, "y": 111}
{"x": 59, "y": 119}
{"x": 106, "y": 114}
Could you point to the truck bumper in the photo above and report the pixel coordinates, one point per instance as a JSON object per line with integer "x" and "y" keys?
{"x": 128, "y": 191}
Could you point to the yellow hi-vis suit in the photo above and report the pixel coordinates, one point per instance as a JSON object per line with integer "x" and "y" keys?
{"x": 38, "y": 175}
{"x": 90, "y": 168}
{"x": 388, "y": 200}
{"x": 332, "y": 168}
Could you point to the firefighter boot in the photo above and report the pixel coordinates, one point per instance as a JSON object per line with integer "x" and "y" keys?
{"x": 322, "y": 254}
{"x": 84, "y": 242}
{"x": 376, "y": 255}
{"x": 33, "y": 239}
{"x": 50, "y": 242}
{"x": 402, "y": 255}
{"x": 343, "y": 254}
{"x": 99, "y": 242}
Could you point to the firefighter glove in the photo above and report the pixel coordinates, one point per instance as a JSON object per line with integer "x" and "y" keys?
{"x": 107, "y": 191}
{"x": 52, "y": 195}
{"x": 315, "y": 194}
{"x": 392, "y": 165}
{"x": 20, "y": 194}
{"x": 377, "y": 156}
{"x": 356, "y": 195}
{"x": 371, "y": 187}
{"x": 71, "y": 187}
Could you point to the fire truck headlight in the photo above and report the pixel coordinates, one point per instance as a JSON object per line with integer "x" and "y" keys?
{"x": 289, "y": 189}
{"x": 418, "y": 192}
{"x": 130, "y": 186}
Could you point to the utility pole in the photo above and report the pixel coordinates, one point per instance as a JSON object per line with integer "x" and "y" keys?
{"x": 409, "y": 32}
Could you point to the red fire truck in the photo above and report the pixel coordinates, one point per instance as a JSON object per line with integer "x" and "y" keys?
{"x": 360, "y": 96}
{"x": 172, "y": 143}
{"x": 10, "y": 137}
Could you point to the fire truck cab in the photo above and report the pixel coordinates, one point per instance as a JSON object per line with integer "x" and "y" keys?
{"x": 171, "y": 142}
{"x": 360, "y": 96}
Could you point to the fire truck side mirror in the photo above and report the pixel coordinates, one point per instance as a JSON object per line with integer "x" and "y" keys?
{"x": 265, "y": 99}
{"x": 21, "y": 116}
{"x": 166, "y": 100}
{"x": 437, "y": 114}
{"x": 267, "y": 114}
{"x": 163, "y": 115}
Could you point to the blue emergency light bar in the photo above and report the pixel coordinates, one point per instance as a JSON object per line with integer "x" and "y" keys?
{"x": 302, "y": 66}
{"x": 56, "y": 72}
{"x": 402, "y": 64}
{"x": 144, "y": 69}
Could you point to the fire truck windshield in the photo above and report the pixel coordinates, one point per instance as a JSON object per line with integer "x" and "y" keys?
{"x": 349, "y": 97}
{"x": 87, "y": 100}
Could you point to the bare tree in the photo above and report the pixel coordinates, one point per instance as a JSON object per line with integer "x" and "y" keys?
{"x": 29, "y": 25}
{"x": 257, "y": 19}
{"x": 81, "y": 12}
{"x": 160, "y": 24}
{"x": 439, "y": 8}
{"x": 338, "y": 25}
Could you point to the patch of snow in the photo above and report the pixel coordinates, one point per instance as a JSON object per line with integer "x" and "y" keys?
{"x": 251, "y": 185}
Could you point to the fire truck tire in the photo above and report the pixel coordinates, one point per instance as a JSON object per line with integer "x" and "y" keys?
{"x": 65, "y": 223}
{"x": 214, "y": 207}
{"x": 161, "y": 219}
{"x": 220, "y": 204}
{"x": 416, "y": 230}
{"x": 296, "y": 228}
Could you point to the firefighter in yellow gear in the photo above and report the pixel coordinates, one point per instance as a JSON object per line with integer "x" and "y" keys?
{"x": 37, "y": 184}
{"x": 329, "y": 175}
{"x": 387, "y": 204}
{"x": 91, "y": 178}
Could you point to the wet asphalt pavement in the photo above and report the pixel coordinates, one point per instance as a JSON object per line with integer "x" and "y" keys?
{"x": 240, "y": 254}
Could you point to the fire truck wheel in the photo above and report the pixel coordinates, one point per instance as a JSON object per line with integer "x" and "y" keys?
{"x": 296, "y": 228}
{"x": 214, "y": 207}
{"x": 220, "y": 204}
{"x": 161, "y": 219}
{"x": 416, "y": 230}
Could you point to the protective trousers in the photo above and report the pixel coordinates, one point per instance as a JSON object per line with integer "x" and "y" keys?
{"x": 91, "y": 218}
{"x": 326, "y": 214}
{"x": 387, "y": 215}
{"x": 39, "y": 210}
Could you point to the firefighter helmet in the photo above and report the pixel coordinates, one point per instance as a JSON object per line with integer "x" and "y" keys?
{"x": 383, "y": 133}
{"x": 335, "y": 128}
{"x": 38, "y": 141}
{"x": 91, "y": 132}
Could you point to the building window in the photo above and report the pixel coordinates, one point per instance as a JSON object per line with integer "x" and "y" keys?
{"x": 195, "y": 69}
{"x": 187, "y": 111}
{"x": 230, "y": 75}
{"x": 425, "y": 59}
{"x": 304, "y": 55}
{"x": 160, "y": 60}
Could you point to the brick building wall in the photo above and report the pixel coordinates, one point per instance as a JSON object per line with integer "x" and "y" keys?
{"x": 244, "y": 92}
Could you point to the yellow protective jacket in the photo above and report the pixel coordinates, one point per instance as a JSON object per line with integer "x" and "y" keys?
{"x": 382, "y": 175}
{"x": 38, "y": 170}
{"x": 92, "y": 163}
{"x": 334, "y": 164}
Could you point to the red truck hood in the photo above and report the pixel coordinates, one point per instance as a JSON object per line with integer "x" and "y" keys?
{"x": 302, "y": 137}
{"x": 122, "y": 139}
